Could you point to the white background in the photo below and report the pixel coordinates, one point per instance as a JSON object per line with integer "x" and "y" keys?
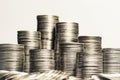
{"x": 96, "y": 17}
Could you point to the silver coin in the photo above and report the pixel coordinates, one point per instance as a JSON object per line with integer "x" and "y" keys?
{"x": 47, "y": 36}
{"x": 31, "y": 43}
{"x": 47, "y": 44}
{"x": 91, "y": 63}
{"x": 67, "y": 25}
{"x": 67, "y": 34}
{"x": 28, "y": 39}
{"x": 67, "y": 31}
{"x": 11, "y": 45}
{"x": 111, "y": 50}
{"x": 42, "y": 51}
{"x": 28, "y": 34}
{"x": 46, "y": 26}
{"x": 69, "y": 39}
{"x": 89, "y": 39}
{"x": 92, "y": 45}
{"x": 71, "y": 44}
{"x": 48, "y": 18}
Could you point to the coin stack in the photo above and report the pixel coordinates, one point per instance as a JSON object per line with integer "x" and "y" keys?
{"x": 11, "y": 57}
{"x": 65, "y": 32}
{"x": 41, "y": 60}
{"x": 46, "y": 24}
{"x": 68, "y": 52}
{"x": 31, "y": 40}
{"x": 111, "y": 60}
{"x": 92, "y": 57}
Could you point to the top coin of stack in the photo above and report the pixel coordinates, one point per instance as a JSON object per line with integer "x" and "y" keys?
{"x": 111, "y": 60}
{"x": 92, "y": 57}
{"x": 46, "y": 24}
{"x": 90, "y": 39}
{"x": 11, "y": 57}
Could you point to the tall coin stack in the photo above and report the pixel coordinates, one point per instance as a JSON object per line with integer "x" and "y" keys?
{"x": 92, "y": 57}
{"x": 31, "y": 40}
{"x": 46, "y": 24}
{"x": 65, "y": 32}
{"x": 11, "y": 57}
{"x": 68, "y": 52}
{"x": 111, "y": 60}
{"x": 41, "y": 60}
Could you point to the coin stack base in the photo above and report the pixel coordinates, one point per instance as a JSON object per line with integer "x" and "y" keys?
{"x": 41, "y": 60}
{"x": 11, "y": 57}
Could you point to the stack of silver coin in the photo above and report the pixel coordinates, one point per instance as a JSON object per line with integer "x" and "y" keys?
{"x": 92, "y": 57}
{"x": 65, "y": 32}
{"x": 46, "y": 24}
{"x": 111, "y": 60}
{"x": 41, "y": 60}
{"x": 31, "y": 40}
{"x": 11, "y": 57}
{"x": 68, "y": 52}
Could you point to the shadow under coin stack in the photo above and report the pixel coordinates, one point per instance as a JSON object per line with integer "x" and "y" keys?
{"x": 46, "y": 24}
{"x": 68, "y": 52}
{"x": 11, "y": 57}
{"x": 92, "y": 57}
{"x": 31, "y": 40}
{"x": 111, "y": 60}
{"x": 41, "y": 60}
{"x": 65, "y": 32}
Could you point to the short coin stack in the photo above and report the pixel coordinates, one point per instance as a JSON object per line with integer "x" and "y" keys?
{"x": 68, "y": 52}
{"x": 65, "y": 32}
{"x": 11, "y": 57}
{"x": 31, "y": 40}
{"x": 111, "y": 60}
{"x": 92, "y": 57}
{"x": 41, "y": 60}
{"x": 46, "y": 24}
